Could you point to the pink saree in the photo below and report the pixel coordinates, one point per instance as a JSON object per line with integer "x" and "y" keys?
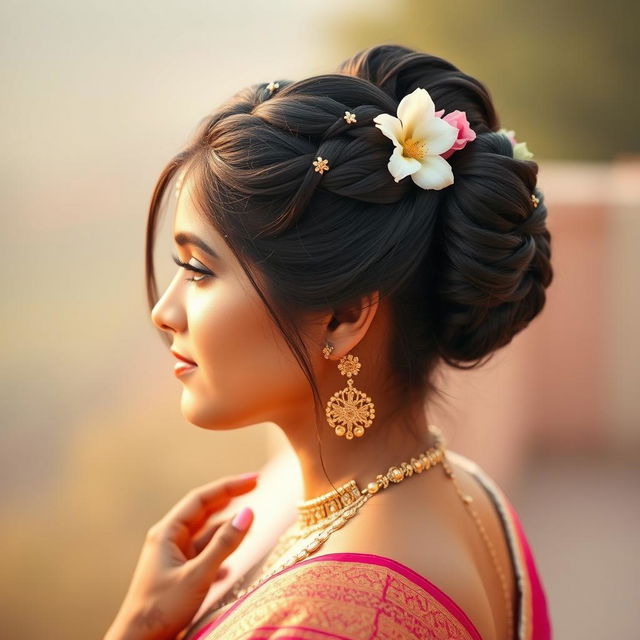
{"x": 358, "y": 596}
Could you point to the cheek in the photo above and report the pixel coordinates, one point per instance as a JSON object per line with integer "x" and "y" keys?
{"x": 246, "y": 371}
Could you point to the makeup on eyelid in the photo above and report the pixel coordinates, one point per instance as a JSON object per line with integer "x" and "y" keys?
{"x": 190, "y": 267}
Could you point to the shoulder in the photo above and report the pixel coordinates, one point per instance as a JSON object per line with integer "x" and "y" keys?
{"x": 352, "y": 596}
{"x": 422, "y": 525}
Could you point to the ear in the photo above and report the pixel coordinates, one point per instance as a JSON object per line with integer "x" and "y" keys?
{"x": 350, "y": 322}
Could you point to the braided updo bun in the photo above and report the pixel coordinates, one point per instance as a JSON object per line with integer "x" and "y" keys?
{"x": 465, "y": 268}
{"x": 491, "y": 250}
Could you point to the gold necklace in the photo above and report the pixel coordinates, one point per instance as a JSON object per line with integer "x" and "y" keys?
{"x": 320, "y": 524}
{"x": 320, "y": 517}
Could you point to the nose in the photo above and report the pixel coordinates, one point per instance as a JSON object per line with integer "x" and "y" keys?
{"x": 168, "y": 313}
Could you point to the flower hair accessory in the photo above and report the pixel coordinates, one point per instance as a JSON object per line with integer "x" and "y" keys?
{"x": 520, "y": 150}
{"x": 422, "y": 140}
{"x": 321, "y": 165}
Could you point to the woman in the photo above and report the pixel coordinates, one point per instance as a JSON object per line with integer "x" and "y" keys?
{"x": 339, "y": 239}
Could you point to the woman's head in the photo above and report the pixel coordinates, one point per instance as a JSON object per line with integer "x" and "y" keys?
{"x": 462, "y": 270}
{"x": 244, "y": 372}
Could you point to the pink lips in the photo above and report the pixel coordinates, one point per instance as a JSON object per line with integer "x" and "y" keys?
{"x": 184, "y": 366}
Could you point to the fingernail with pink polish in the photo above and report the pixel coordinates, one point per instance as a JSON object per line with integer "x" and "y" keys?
{"x": 242, "y": 519}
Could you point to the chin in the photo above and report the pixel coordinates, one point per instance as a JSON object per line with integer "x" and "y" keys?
{"x": 209, "y": 415}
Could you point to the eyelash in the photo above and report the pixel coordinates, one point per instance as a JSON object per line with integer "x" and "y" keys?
{"x": 186, "y": 265}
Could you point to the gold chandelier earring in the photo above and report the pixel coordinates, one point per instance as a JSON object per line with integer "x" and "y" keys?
{"x": 349, "y": 411}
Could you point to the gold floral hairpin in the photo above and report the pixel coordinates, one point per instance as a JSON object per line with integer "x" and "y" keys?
{"x": 321, "y": 165}
{"x": 349, "y": 117}
{"x": 273, "y": 86}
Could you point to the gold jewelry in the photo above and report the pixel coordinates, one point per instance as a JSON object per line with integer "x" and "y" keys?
{"x": 321, "y": 165}
{"x": 295, "y": 544}
{"x": 535, "y": 200}
{"x": 292, "y": 543}
{"x": 327, "y": 349}
{"x": 349, "y": 117}
{"x": 273, "y": 86}
{"x": 324, "y": 507}
{"x": 319, "y": 509}
{"x": 350, "y": 411}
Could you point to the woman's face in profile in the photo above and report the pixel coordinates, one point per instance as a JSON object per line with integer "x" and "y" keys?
{"x": 244, "y": 373}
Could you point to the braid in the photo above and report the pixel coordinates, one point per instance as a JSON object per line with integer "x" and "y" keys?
{"x": 285, "y": 130}
{"x": 465, "y": 267}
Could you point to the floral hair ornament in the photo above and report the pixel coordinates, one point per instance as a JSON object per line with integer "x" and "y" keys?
{"x": 349, "y": 117}
{"x": 422, "y": 140}
{"x": 520, "y": 150}
{"x": 321, "y": 165}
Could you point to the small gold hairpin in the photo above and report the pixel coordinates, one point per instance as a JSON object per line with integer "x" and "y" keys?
{"x": 321, "y": 165}
{"x": 535, "y": 200}
{"x": 349, "y": 117}
{"x": 272, "y": 86}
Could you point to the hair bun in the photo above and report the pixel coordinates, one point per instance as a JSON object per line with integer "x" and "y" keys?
{"x": 492, "y": 252}
{"x": 398, "y": 70}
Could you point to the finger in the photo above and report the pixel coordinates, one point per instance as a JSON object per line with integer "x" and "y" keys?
{"x": 205, "y": 534}
{"x": 225, "y": 540}
{"x": 221, "y": 573}
{"x": 192, "y": 545}
{"x": 193, "y": 509}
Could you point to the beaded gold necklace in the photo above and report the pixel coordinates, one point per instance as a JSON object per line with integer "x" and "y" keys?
{"x": 320, "y": 517}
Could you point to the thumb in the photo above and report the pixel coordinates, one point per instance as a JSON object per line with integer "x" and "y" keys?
{"x": 224, "y": 541}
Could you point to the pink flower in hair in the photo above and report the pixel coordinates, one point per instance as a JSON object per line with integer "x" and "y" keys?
{"x": 458, "y": 119}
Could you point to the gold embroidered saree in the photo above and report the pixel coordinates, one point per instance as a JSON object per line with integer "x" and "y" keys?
{"x": 361, "y": 596}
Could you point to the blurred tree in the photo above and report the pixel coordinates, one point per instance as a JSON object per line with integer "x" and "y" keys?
{"x": 560, "y": 73}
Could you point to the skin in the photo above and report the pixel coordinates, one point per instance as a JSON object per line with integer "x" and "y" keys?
{"x": 181, "y": 556}
{"x": 245, "y": 375}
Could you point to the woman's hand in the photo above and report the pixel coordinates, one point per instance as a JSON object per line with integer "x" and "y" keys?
{"x": 180, "y": 559}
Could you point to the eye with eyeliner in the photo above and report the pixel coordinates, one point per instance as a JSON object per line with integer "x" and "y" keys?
{"x": 190, "y": 267}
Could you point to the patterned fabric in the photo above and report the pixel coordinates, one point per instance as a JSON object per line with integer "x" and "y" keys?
{"x": 356, "y": 596}
{"x": 362, "y": 596}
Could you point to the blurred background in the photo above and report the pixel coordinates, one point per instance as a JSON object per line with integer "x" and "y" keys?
{"x": 96, "y": 98}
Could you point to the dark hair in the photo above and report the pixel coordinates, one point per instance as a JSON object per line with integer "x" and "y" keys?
{"x": 465, "y": 267}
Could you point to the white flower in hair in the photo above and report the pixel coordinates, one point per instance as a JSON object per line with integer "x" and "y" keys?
{"x": 419, "y": 137}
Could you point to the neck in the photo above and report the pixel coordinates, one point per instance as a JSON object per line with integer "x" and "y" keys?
{"x": 390, "y": 440}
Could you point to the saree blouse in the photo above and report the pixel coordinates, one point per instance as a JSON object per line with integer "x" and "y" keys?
{"x": 363, "y": 596}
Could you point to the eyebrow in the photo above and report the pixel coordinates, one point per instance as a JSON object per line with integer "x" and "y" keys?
{"x": 188, "y": 238}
